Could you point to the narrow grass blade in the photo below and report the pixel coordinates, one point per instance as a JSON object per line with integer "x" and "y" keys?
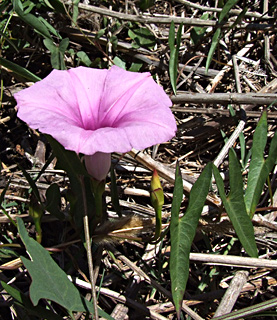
{"x": 174, "y": 53}
{"x": 235, "y": 206}
{"x": 216, "y": 37}
{"x": 182, "y": 231}
{"x": 19, "y": 70}
{"x": 259, "y": 168}
{"x": 197, "y": 33}
{"x": 34, "y": 188}
{"x": 215, "y": 40}
{"x": 225, "y": 10}
{"x": 249, "y": 311}
{"x": 178, "y": 284}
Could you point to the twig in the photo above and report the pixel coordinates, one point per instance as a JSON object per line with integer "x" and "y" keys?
{"x": 119, "y": 297}
{"x": 215, "y": 111}
{"x": 166, "y": 19}
{"x": 224, "y": 98}
{"x": 233, "y": 260}
{"x": 232, "y": 11}
{"x": 222, "y": 154}
{"x": 146, "y": 19}
{"x": 232, "y": 293}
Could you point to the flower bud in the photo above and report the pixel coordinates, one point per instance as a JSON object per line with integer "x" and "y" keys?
{"x": 156, "y": 192}
{"x": 98, "y": 165}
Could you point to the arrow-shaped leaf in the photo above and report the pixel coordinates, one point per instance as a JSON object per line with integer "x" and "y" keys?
{"x": 49, "y": 281}
{"x": 235, "y": 206}
{"x": 259, "y": 168}
{"x": 182, "y": 231}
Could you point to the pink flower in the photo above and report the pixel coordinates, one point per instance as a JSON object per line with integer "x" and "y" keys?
{"x": 97, "y": 112}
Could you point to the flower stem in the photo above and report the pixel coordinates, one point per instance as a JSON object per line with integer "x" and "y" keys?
{"x": 88, "y": 247}
{"x": 98, "y": 188}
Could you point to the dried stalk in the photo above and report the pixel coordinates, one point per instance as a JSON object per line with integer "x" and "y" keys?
{"x": 166, "y": 19}
{"x": 215, "y": 111}
{"x": 232, "y": 11}
{"x": 233, "y": 261}
{"x": 232, "y": 293}
{"x": 225, "y": 98}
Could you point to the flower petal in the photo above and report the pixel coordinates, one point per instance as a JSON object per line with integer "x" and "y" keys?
{"x": 89, "y": 110}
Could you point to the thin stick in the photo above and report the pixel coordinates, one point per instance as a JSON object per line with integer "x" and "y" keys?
{"x": 245, "y": 262}
{"x": 223, "y": 98}
{"x": 232, "y": 11}
{"x": 89, "y": 253}
{"x": 165, "y": 19}
{"x": 231, "y": 295}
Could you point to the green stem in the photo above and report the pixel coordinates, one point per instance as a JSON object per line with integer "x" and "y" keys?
{"x": 98, "y": 188}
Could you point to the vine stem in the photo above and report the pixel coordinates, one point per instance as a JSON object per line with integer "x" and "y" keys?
{"x": 89, "y": 252}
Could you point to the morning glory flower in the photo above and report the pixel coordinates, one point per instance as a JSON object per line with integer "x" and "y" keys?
{"x": 96, "y": 112}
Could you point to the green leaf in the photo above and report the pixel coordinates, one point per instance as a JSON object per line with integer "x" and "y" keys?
{"x": 57, "y": 5}
{"x": 197, "y": 33}
{"x": 225, "y": 10}
{"x": 135, "y": 66}
{"x": 259, "y": 168}
{"x": 26, "y": 303}
{"x": 19, "y": 70}
{"x": 216, "y": 37}
{"x": 235, "y": 206}
{"x": 146, "y": 4}
{"x": 53, "y": 198}
{"x": 114, "y": 192}
{"x": 31, "y": 20}
{"x": 63, "y": 45}
{"x": 75, "y": 11}
{"x": 178, "y": 284}
{"x": 49, "y": 281}
{"x": 70, "y": 162}
{"x": 182, "y": 231}
{"x": 57, "y": 52}
{"x": 215, "y": 40}
{"x": 171, "y": 36}
{"x": 249, "y": 312}
{"x": 34, "y": 188}
{"x": 120, "y": 63}
{"x": 174, "y": 54}
{"x": 84, "y": 58}
{"x": 238, "y": 19}
{"x": 142, "y": 37}
{"x": 50, "y": 27}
